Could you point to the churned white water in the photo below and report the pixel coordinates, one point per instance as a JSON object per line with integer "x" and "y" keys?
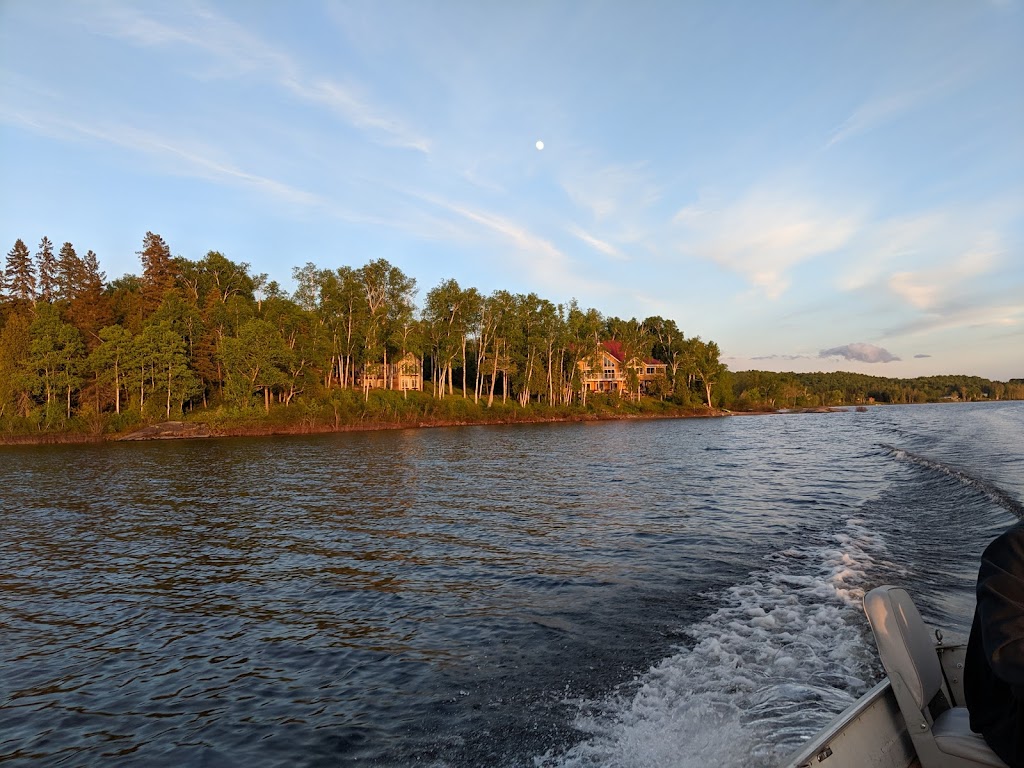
{"x": 784, "y": 651}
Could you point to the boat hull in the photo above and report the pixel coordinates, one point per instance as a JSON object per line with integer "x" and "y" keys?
{"x": 871, "y": 733}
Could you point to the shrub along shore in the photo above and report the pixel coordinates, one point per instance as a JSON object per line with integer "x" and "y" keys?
{"x": 350, "y": 411}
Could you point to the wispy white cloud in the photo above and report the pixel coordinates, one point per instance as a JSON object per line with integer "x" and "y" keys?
{"x": 597, "y": 244}
{"x": 871, "y": 115}
{"x": 877, "y": 112}
{"x": 764, "y": 235}
{"x": 176, "y": 156}
{"x": 231, "y": 49}
{"x": 611, "y": 190}
{"x": 882, "y": 246}
{"x": 1007, "y": 316}
{"x": 541, "y": 258}
{"x": 926, "y": 289}
{"x": 781, "y": 357}
{"x": 935, "y": 270}
{"x": 236, "y": 52}
{"x": 357, "y": 111}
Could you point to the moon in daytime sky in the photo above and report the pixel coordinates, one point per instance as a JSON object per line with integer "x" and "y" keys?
{"x": 540, "y": 145}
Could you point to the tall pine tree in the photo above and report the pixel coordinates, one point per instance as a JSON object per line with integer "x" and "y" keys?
{"x": 158, "y": 271}
{"x": 70, "y": 273}
{"x": 46, "y": 264}
{"x": 90, "y": 308}
{"x": 21, "y": 273}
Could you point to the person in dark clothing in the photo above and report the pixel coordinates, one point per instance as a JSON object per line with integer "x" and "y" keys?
{"x": 994, "y": 667}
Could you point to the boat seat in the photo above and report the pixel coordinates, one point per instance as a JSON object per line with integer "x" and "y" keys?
{"x": 942, "y": 735}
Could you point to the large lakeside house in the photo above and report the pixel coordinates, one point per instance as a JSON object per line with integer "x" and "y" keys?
{"x": 611, "y": 376}
{"x": 407, "y": 373}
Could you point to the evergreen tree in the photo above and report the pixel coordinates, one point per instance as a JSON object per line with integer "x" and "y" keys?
{"x": 70, "y": 273}
{"x": 46, "y": 264}
{"x": 90, "y": 309}
{"x": 21, "y": 273}
{"x": 125, "y": 299}
{"x": 158, "y": 271}
{"x": 94, "y": 278}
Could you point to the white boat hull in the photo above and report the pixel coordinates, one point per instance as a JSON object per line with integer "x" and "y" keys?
{"x": 871, "y": 733}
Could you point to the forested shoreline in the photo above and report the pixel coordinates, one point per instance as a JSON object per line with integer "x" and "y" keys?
{"x": 208, "y": 341}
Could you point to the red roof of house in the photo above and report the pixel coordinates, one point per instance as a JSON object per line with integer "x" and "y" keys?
{"x": 614, "y": 348}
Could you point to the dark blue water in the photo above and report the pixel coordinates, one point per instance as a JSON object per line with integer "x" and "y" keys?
{"x": 630, "y": 594}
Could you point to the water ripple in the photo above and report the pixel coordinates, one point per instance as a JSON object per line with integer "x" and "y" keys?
{"x": 476, "y": 596}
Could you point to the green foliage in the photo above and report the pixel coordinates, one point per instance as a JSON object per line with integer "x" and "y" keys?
{"x": 46, "y": 269}
{"x": 254, "y": 360}
{"x": 52, "y": 371}
{"x": 15, "y": 342}
{"x": 20, "y": 275}
{"x": 767, "y": 390}
{"x": 207, "y": 340}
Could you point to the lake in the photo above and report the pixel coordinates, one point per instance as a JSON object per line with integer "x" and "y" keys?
{"x": 635, "y": 593}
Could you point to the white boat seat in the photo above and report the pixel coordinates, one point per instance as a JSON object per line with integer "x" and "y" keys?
{"x": 943, "y": 739}
{"x": 953, "y": 735}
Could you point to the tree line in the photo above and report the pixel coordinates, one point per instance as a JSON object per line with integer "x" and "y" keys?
{"x": 766, "y": 390}
{"x": 210, "y": 334}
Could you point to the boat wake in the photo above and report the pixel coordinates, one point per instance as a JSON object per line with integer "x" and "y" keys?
{"x": 784, "y": 653}
{"x": 993, "y": 492}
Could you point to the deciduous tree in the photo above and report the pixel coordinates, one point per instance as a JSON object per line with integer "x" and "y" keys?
{"x": 55, "y": 361}
{"x": 15, "y": 344}
{"x": 110, "y": 359}
{"x": 256, "y": 359}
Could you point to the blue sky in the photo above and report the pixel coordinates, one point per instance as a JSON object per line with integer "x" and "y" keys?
{"x": 814, "y": 185}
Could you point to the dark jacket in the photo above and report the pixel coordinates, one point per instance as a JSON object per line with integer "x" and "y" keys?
{"x": 994, "y": 673}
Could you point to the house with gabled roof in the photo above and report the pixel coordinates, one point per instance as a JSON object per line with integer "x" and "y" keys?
{"x": 407, "y": 373}
{"x": 613, "y": 368}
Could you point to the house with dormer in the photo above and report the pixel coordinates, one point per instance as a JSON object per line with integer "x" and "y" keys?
{"x": 611, "y": 373}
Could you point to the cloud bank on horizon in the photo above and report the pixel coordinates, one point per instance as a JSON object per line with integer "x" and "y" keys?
{"x": 865, "y": 353}
{"x": 776, "y": 178}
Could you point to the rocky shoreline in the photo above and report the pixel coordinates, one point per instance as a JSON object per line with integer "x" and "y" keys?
{"x": 169, "y": 430}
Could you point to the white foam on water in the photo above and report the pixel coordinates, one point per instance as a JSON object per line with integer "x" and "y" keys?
{"x": 784, "y": 653}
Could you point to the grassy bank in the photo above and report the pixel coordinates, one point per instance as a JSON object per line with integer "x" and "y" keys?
{"x": 344, "y": 410}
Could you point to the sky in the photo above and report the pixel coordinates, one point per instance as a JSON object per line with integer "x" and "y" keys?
{"x": 814, "y": 185}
